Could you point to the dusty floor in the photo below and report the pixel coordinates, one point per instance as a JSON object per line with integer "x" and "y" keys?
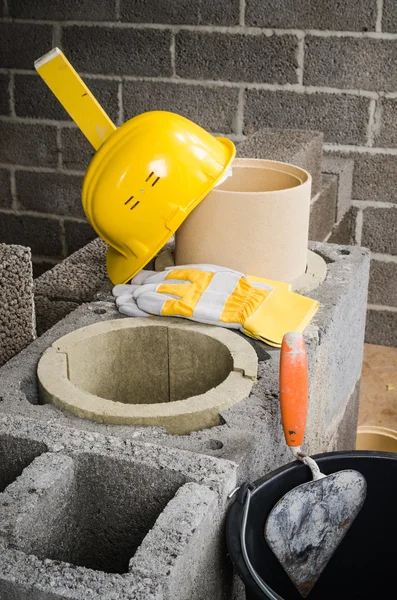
{"x": 378, "y": 401}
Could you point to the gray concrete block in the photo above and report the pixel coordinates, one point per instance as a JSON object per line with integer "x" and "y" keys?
{"x": 4, "y": 95}
{"x": 63, "y": 10}
{"x": 76, "y": 278}
{"x": 40, "y": 266}
{"x": 30, "y": 506}
{"x": 107, "y": 500}
{"x": 188, "y": 531}
{"x": 49, "y": 312}
{"x": 40, "y": 234}
{"x": 28, "y": 578}
{"x": 301, "y": 148}
{"x": 189, "y": 12}
{"x": 5, "y": 189}
{"x": 17, "y": 453}
{"x": 77, "y": 151}
{"x": 33, "y": 98}
{"x": 93, "y": 254}
{"x": 379, "y": 230}
{"x": 118, "y": 51}
{"x": 214, "y": 108}
{"x": 374, "y": 176}
{"x": 343, "y": 168}
{"x": 357, "y": 15}
{"x": 78, "y": 234}
{"x": 381, "y": 328}
{"x": 383, "y": 283}
{"x": 22, "y": 43}
{"x": 342, "y": 118}
{"x": 349, "y": 422}
{"x": 25, "y": 144}
{"x": 344, "y": 232}
{"x": 53, "y": 193}
{"x": 17, "y": 316}
{"x": 348, "y": 62}
{"x": 389, "y": 16}
{"x": 250, "y": 433}
{"x": 90, "y": 523}
{"x": 236, "y": 57}
{"x": 64, "y": 287}
{"x": 323, "y": 210}
{"x": 387, "y": 130}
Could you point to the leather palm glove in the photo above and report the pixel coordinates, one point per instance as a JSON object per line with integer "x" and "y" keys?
{"x": 217, "y": 296}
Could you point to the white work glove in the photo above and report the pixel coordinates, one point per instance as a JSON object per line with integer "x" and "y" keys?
{"x": 202, "y": 293}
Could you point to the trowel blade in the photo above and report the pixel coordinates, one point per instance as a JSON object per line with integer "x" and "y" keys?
{"x": 307, "y": 525}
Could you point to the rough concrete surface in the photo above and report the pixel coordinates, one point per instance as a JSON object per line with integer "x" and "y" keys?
{"x": 17, "y": 314}
{"x": 381, "y": 327}
{"x": 343, "y": 168}
{"x": 342, "y": 118}
{"x": 323, "y": 209}
{"x": 357, "y": 15}
{"x": 301, "y": 148}
{"x": 70, "y": 283}
{"x": 115, "y": 512}
{"x": 379, "y": 230}
{"x": 334, "y": 339}
{"x": 383, "y": 283}
{"x": 344, "y": 232}
{"x": 72, "y": 523}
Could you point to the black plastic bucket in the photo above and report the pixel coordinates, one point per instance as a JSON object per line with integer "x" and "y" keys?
{"x": 365, "y": 564}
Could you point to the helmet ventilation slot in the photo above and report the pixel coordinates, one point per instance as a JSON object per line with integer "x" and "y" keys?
{"x": 154, "y": 182}
{"x": 149, "y": 176}
{"x": 129, "y": 200}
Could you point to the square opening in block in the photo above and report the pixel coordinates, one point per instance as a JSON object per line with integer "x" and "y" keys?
{"x": 15, "y": 455}
{"x": 103, "y": 512}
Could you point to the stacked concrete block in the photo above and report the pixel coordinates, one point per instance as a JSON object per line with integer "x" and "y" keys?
{"x": 100, "y": 517}
{"x": 323, "y": 209}
{"x": 251, "y": 433}
{"x": 343, "y": 169}
{"x": 17, "y": 315}
{"x": 114, "y": 512}
{"x": 74, "y": 281}
{"x": 344, "y": 232}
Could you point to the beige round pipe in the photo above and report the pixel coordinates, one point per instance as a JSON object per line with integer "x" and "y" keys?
{"x": 256, "y": 222}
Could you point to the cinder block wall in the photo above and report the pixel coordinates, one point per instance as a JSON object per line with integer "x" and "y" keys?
{"x": 231, "y": 65}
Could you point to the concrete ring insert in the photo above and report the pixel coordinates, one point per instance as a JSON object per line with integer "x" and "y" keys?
{"x": 158, "y": 372}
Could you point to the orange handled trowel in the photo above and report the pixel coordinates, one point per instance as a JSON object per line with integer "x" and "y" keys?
{"x": 307, "y": 525}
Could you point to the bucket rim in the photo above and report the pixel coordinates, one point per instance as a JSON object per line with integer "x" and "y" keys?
{"x": 235, "y": 511}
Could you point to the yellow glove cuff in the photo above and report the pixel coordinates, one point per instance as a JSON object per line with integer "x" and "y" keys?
{"x": 279, "y": 313}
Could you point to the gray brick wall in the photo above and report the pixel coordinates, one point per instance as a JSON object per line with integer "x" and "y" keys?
{"x": 233, "y": 66}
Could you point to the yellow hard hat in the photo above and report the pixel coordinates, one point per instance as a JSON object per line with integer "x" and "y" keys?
{"x": 144, "y": 181}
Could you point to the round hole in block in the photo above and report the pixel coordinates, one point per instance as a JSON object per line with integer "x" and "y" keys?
{"x": 148, "y": 365}
{"x": 345, "y": 252}
{"x": 161, "y": 372}
{"x": 99, "y": 311}
{"x": 214, "y": 445}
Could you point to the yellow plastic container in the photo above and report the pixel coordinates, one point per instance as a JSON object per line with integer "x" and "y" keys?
{"x": 370, "y": 437}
